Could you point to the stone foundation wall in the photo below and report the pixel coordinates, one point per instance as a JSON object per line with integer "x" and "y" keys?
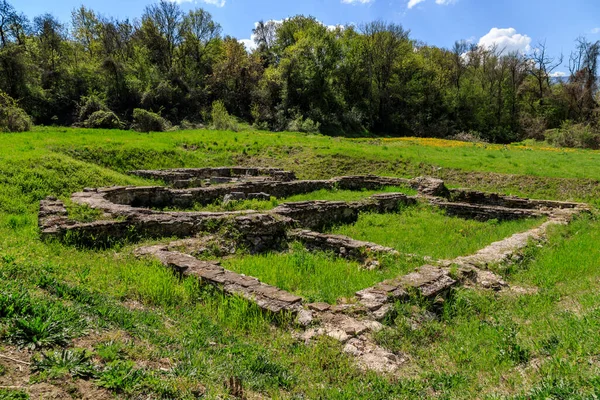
{"x": 342, "y": 246}
{"x": 322, "y": 214}
{"x": 190, "y": 177}
{"x": 267, "y": 297}
{"x": 494, "y": 199}
{"x": 481, "y": 212}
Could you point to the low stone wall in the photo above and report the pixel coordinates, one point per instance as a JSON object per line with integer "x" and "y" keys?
{"x": 267, "y": 297}
{"x": 484, "y": 212}
{"x": 494, "y": 199}
{"x": 191, "y": 177}
{"x": 351, "y": 320}
{"x": 161, "y": 197}
{"x": 322, "y": 214}
{"x": 343, "y": 246}
{"x": 128, "y": 205}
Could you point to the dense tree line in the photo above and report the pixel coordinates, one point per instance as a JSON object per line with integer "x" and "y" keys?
{"x": 104, "y": 72}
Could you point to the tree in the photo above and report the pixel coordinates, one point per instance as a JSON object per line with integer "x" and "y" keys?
{"x": 162, "y": 24}
{"x": 541, "y": 66}
{"x": 86, "y": 28}
{"x": 583, "y": 82}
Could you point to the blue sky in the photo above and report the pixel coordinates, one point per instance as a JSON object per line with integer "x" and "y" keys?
{"x": 519, "y": 24}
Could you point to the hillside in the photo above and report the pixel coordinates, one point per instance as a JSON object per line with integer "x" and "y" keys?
{"x": 133, "y": 329}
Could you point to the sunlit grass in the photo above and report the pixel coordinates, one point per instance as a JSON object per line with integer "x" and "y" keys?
{"x": 323, "y": 194}
{"x": 537, "y": 343}
{"x": 317, "y": 276}
{"x": 427, "y": 231}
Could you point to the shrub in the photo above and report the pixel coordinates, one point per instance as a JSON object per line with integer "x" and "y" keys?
{"x": 187, "y": 125}
{"x": 574, "y": 135}
{"x": 221, "y": 119}
{"x": 12, "y": 117}
{"x": 299, "y": 124}
{"x": 533, "y": 127}
{"x": 147, "y": 121}
{"x": 103, "y": 120}
{"x": 88, "y": 106}
{"x": 471, "y": 136}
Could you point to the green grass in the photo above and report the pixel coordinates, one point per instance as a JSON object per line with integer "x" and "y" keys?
{"x": 427, "y": 231}
{"x": 317, "y": 276}
{"x": 157, "y": 336}
{"x": 323, "y": 194}
{"x": 348, "y": 195}
{"x": 536, "y": 346}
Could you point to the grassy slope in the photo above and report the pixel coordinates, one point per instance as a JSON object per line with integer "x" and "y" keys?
{"x": 134, "y": 311}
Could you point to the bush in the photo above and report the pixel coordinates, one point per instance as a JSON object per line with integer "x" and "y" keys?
{"x": 146, "y": 121}
{"x": 471, "y": 137}
{"x": 580, "y": 136}
{"x": 103, "y": 120}
{"x": 221, "y": 119}
{"x": 12, "y": 117}
{"x": 88, "y": 106}
{"x": 300, "y": 124}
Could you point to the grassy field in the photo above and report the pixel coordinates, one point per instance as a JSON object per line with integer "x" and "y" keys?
{"x": 426, "y": 231}
{"x": 134, "y": 330}
{"x": 318, "y": 276}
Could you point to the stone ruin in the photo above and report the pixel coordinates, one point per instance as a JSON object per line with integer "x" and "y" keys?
{"x": 132, "y": 212}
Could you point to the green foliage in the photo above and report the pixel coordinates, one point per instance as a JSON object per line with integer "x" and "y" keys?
{"x": 582, "y": 136}
{"x": 110, "y": 351}
{"x": 299, "y": 124}
{"x": 88, "y": 106}
{"x": 302, "y": 77}
{"x": 121, "y": 376}
{"x": 34, "y": 332}
{"x": 103, "y": 120}
{"x": 147, "y": 121}
{"x": 221, "y": 119}
{"x": 12, "y": 117}
{"x": 77, "y": 363}
{"x": 13, "y": 394}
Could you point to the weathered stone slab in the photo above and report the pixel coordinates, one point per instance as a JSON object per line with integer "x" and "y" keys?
{"x": 343, "y": 246}
{"x": 193, "y": 176}
{"x": 495, "y": 199}
{"x": 484, "y": 212}
{"x": 267, "y": 297}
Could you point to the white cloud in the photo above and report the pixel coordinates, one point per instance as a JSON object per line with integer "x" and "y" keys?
{"x": 251, "y": 45}
{"x": 218, "y": 3}
{"x": 558, "y": 74}
{"x": 412, "y": 3}
{"x": 506, "y": 40}
{"x": 357, "y": 1}
{"x": 248, "y": 43}
{"x": 595, "y": 31}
